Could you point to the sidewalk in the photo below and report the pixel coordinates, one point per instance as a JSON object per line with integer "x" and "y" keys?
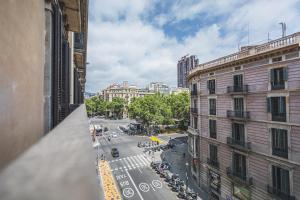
{"x": 177, "y": 161}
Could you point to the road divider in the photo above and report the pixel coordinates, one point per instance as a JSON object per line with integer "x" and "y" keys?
{"x": 110, "y": 188}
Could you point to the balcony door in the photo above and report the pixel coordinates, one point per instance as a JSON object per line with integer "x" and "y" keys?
{"x": 239, "y": 165}
{"x": 281, "y": 180}
{"x": 238, "y": 82}
{"x": 238, "y": 133}
{"x": 239, "y": 106}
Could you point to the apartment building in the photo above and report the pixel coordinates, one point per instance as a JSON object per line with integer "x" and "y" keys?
{"x": 244, "y": 136}
{"x": 159, "y": 87}
{"x": 43, "y": 64}
{"x": 184, "y": 65}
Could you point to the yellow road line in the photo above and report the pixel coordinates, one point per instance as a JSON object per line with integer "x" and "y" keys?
{"x": 111, "y": 191}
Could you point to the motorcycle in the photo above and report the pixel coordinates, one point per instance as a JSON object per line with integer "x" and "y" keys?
{"x": 181, "y": 193}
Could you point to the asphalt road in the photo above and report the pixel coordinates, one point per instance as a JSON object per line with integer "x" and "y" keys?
{"x": 132, "y": 172}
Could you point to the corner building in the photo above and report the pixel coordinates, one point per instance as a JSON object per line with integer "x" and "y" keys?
{"x": 244, "y": 135}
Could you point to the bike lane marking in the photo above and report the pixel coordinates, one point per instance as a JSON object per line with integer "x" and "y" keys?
{"x": 137, "y": 190}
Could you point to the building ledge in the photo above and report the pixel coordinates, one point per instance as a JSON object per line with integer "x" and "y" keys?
{"x": 60, "y": 166}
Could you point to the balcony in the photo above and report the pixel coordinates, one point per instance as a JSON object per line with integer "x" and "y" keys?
{"x": 194, "y": 93}
{"x": 279, "y": 117}
{"x": 240, "y": 115}
{"x": 238, "y": 177}
{"x": 278, "y": 193}
{"x": 192, "y": 130}
{"x": 280, "y": 152}
{"x": 213, "y": 162}
{"x": 60, "y": 166}
{"x": 212, "y": 111}
{"x": 279, "y": 86}
{"x": 194, "y": 111}
{"x": 241, "y": 145}
{"x": 243, "y": 89}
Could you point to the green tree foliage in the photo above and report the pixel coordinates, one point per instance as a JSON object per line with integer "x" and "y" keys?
{"x": 116, "y": 106}
{"x": 95, "y": 106}
{"x": 160, "y": 109}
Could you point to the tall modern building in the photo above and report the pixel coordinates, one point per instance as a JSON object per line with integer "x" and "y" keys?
{"x": 244, "y": 136}
{"x": 184, "y": 65}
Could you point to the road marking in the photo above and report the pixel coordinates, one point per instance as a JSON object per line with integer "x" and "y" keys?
{"x": 152, "y": 187}
{"x": 128, "y": 192}
{"x": 132, "y": 165}
{"x": 144, "y": 187}
{"x": 127, "y": 163}
{"x": 145, "y": 160}
{"x": 141, "y": 160}
{"x": 133, "y": 161}
{"x": 134, "y": 185}
{"x": 157, "y": 183}
{"x": 138, "y": 161}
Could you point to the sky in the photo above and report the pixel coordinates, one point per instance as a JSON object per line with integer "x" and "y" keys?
{"x": 141, "y": 41}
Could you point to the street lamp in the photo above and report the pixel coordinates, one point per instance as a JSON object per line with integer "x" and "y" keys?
{"x": 186, "y": 174}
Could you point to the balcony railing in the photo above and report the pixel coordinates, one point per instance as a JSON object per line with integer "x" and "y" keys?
{"x": 278, "y": 193}
{"x": 194, "y": 110}
{"x": 239, "y": 144}
{"x": 212, "y": 111}
{"x": 279, "y": 117}
{"x": 213, "y": 162}
{"x": 194, "y": 93}
{"x": 250, "y": 51}
{"x": 280, "y": 152}
{"x": 237, "y": 89}
{"x": 60, "y": 166}
{"x": 236, "y": 114}
{"x": 239, "y": 177}
{"x": 279, "y": 86}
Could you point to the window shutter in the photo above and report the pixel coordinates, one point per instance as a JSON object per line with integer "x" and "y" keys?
{"x": 272, "y": 75}
{"x": 285, "y": 74}
{"x": 269, "y": 104}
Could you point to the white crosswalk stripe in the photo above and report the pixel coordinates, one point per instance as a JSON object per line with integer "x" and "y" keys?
{"x": 130, "y": 162}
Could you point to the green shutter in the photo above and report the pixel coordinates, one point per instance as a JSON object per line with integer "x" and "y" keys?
{"x": 269, "y": 104}
{"x": 272, "y": 75}
{"x": 285, "y": 74}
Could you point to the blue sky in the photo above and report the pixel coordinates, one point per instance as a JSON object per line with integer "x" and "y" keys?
{"x": 141, "y": 40}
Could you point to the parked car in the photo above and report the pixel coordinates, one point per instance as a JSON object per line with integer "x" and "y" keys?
{"x": 115, "y": 152}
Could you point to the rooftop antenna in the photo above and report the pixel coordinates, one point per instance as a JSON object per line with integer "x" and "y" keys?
{"x": 283, "y": 28}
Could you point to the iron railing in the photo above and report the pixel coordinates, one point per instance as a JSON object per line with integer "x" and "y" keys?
{"x": 277, "y": 192}
{"x": 238, "y": 143}
{"x": 237, "y": 89}
{"x": 279, "y": 117}
{"x": 238, "y": 114}
{"x": 239, "y": 177}
{"x": 213, "y": 162}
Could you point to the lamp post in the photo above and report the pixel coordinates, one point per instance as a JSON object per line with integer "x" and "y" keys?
{"x": 186, "y": 174}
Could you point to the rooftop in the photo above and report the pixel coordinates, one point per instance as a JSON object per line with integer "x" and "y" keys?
{"x": 249, "y": 51}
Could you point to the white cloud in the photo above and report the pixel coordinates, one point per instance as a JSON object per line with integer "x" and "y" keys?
{"x": 124, "y": 46}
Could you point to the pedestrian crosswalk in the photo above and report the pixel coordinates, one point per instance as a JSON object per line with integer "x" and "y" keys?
{"x": 130, "y": 162}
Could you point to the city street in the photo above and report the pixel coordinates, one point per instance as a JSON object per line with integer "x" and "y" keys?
{"x": 131, "y": 170}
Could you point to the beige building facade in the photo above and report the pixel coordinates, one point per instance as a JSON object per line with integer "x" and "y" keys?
{"x": 41, "y": 79}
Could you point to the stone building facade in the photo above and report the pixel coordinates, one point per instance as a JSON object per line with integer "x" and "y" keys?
{"x": 244, "y": 137}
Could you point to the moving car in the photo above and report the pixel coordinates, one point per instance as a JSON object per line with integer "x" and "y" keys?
{"x": 115, "y": 152}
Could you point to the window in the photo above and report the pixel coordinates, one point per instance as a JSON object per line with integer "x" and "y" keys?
{"x": 213, "y": 152}
{"x": 278, "y": 78}
{"x": 279, "y": 142}
{"x": 280, "y": 180}
{"x": 238, "y": 82}
{"x": 239, "y": 107}
{"x": 212, "y": 106}
{"x": 213, "y": 129}
{"x": 211, "y": 86}
{"x": 277, "y": 107}
{"x": 238, "y": 134}
{"x": 239, "y": 165}
{"x": 194, "y": 89}
{"x": 195, "y": 123}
